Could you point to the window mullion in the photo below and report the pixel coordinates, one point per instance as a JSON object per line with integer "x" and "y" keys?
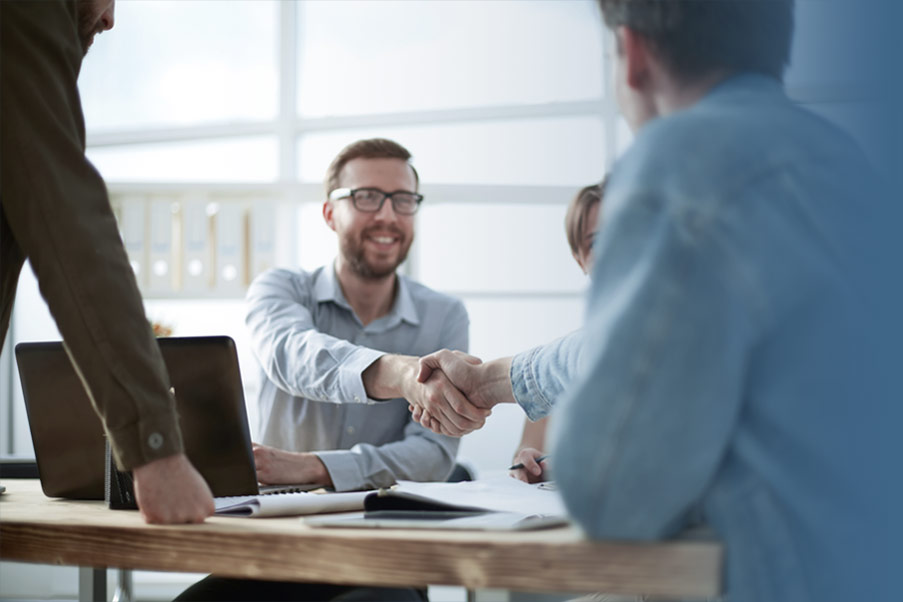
{"x": 288, "y": 90}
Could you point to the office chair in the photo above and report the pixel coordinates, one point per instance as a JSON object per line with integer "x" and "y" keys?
{"x": 461, "y": 472}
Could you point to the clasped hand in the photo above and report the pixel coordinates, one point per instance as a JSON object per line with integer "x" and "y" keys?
{"x": 452, "y": 404}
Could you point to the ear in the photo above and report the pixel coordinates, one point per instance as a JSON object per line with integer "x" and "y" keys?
{"x": 637, "y": 56}
{"x": 328, "y": 211}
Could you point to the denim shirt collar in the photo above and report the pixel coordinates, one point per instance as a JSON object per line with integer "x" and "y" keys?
{"x": 732, "y": 88}
{"x": 327, "y": 290}
{"x": 742, "y": 84}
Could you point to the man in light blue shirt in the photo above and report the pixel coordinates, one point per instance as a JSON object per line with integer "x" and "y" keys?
{"x": 741, "y": 353}
{"x": 338, "y": 350}
{"x": 337, "y": 346}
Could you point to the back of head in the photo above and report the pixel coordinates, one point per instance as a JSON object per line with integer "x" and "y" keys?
{"x": 373, "y": 148}
{"x": 696, "y": 37}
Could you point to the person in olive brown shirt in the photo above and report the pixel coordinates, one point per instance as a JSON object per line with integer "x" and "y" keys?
{"x": 56, "y": 214}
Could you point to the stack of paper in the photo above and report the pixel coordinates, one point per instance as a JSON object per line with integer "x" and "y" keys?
{"x": 492, "y": 504}
{"x": 500, "y": 494}
{"x": 497, "y": 503}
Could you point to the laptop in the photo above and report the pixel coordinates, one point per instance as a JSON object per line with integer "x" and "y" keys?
{"x": 68, "y": 437}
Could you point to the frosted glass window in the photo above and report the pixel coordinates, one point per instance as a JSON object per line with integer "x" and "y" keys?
{"x": 496, "y": 248}
{"x": 376, "y": 57}
{"x": 220, "y": 160}
{"x": 623, "y": 136}
{"x": 169, "y": 62}
{"x": 503, "y": 326}
{"x": 550, "y": 151}
{"x": 317, "y": 244}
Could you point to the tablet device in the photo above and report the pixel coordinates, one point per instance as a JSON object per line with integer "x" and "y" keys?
{"x": 431, "y": 519}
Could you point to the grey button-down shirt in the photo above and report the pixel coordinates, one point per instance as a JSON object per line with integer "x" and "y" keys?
{"x": 312, "y": 350}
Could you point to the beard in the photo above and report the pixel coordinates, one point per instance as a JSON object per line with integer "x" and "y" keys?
{"x": 352, "y": 249}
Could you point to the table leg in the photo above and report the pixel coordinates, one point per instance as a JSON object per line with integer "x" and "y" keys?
{"x": 92, "y": 584}
{"x": 124, "y": 587}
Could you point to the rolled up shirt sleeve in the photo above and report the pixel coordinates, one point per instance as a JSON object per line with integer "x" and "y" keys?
{"x": 421, "y": 454}
{"x": 294, "y": 354}
{"x": 540, "y": 375}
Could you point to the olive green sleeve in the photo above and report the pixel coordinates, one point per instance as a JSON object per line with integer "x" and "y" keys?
{"x": 56, "y": 206}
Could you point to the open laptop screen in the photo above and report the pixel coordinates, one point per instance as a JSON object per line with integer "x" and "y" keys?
{"x": 69, "y": 440}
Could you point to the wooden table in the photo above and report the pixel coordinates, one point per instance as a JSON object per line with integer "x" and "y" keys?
{"x": 34, "y": 528}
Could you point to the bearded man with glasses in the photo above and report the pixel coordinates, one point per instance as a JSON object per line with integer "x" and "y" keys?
{"x": 338, "y": 349}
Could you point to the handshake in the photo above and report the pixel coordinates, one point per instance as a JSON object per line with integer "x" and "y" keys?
{"x": 457, "y": 391}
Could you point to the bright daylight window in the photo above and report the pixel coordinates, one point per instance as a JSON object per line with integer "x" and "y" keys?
{"x": 234, "y": 108}
{"x": 213, "y": 122}
{"x": 230, "y": 106}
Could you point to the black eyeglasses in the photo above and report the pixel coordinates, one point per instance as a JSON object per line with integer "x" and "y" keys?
{"x": 370, "y": 200}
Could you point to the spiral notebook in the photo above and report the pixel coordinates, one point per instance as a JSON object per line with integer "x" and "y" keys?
{"x": 290, "y": 503}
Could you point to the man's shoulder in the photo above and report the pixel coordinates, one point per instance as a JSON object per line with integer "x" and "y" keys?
{"x": 296, "y": 280}
{"x": 743, "y": 129}
{"x": 718, "y": 147}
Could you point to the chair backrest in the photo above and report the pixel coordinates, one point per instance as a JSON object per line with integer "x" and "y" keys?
{"x": 460, "y": 473}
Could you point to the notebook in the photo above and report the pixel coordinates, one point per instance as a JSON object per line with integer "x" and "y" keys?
{"x": 502, "y": 504}
{"x": 291, "y": 503}
{"x": 68, "y": 438}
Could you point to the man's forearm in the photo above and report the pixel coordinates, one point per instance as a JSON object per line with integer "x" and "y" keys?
{"x": 494, "y": 383}
{"x": 278, "y": 466}
{"x": 534, "y": 434}
{"x": 317, "y": 471}
{"x": 386, "y": 377}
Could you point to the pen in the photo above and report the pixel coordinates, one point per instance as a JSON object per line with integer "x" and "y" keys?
{"x": 520, "y": 465}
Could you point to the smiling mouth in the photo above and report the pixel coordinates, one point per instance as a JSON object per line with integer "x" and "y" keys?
{"x": 384, "y": 240}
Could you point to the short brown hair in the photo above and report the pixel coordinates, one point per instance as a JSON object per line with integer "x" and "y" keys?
{"x": 694, "y": 37}
{"x": 578, "y": 210}
{"x": 374, "y": 148}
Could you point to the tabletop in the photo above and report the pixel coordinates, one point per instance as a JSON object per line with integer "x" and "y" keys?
{"x": 34, "y": 528}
